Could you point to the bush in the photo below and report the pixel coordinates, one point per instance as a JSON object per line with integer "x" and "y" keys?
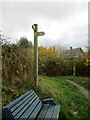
{"x": 52, "y": 64}
{"x": 81, "y": 67}
{"x": 17, "y": 63}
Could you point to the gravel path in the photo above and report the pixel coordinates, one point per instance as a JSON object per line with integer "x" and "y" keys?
{"x": 83, "y": 90}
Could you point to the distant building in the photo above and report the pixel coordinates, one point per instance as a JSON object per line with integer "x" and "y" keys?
{"x": 73, "y": 53}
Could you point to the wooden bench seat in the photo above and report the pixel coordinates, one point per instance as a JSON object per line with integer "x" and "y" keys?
{"x": 29, "y": 107}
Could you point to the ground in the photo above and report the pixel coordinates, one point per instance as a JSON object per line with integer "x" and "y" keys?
{"x": 73, "y": 103}
{"x": 82, "y": 89}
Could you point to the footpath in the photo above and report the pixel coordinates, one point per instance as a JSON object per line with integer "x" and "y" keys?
{"x": 82, "y": 89}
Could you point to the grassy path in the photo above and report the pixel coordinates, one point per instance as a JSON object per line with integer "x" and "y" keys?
{"x": 82, "y": 81}
{"x": 82, "y": 89}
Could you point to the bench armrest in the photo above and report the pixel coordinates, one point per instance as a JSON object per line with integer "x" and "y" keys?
{"x": 48, "y": 101}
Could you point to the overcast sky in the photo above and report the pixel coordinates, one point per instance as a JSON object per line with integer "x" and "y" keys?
{"x": 64, "y": 24}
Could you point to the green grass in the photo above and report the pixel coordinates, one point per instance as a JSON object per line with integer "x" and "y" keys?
{"x": 73, "y": 103}
{"x": 83, "y": 81}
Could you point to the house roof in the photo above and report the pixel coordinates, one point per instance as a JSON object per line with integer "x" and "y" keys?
{"x": 73, "y": 53}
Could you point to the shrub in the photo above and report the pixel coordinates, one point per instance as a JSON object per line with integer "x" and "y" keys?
{"x": 52, "y": 64}
{"x": 17, "y": 63}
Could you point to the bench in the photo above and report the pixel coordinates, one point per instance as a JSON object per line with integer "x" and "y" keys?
{"x": 29, "y": 107}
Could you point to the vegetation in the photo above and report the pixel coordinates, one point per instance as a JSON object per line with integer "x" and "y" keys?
{"x": 18, "y": 58}
{"x": 11, "y": 92}
{"x": 18, "y": 61}
{"x": 83, "y": 81}
{"x": 17, "y": 75}
{"x": 73, "y": 103}
{"x": 52, "y": 64}
{"x": 24, "y": 43}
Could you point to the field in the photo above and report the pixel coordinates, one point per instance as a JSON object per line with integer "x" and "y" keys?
{"x": 73, "y": 103}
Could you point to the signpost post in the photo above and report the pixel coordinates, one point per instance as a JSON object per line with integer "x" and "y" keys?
{"x": 36, "y": 34}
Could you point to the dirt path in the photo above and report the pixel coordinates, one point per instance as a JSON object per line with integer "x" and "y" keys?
{"x": 83, "y": 90}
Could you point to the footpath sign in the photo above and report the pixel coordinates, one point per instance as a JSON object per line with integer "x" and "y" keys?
{"x": 36, "y": 34}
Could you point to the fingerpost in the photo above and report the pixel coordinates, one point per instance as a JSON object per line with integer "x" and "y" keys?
{"x": 36, "y": 34}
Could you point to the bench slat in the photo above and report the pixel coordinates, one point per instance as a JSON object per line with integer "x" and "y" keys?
{"x": 21, "y": 102}
{"x": 30, "y": 109}
{"x": 36, "y": 111}
{"x": 25, "y": 106}
{"x": 43, "y": 112}
{"x": 49, "y": 112}
{"x": 18, "y": 99}
{"x": 56, "y": 112}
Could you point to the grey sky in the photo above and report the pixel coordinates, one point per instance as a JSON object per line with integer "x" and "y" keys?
{"x": 63, "y": 23}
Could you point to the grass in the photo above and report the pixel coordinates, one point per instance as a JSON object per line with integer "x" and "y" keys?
{"x": 73, "y": 103}
{"x": 83, "y": 81}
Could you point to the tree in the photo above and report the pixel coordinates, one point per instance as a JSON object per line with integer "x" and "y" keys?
{"x": 60, "y": 48}
{"x": 24, "y": 43}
